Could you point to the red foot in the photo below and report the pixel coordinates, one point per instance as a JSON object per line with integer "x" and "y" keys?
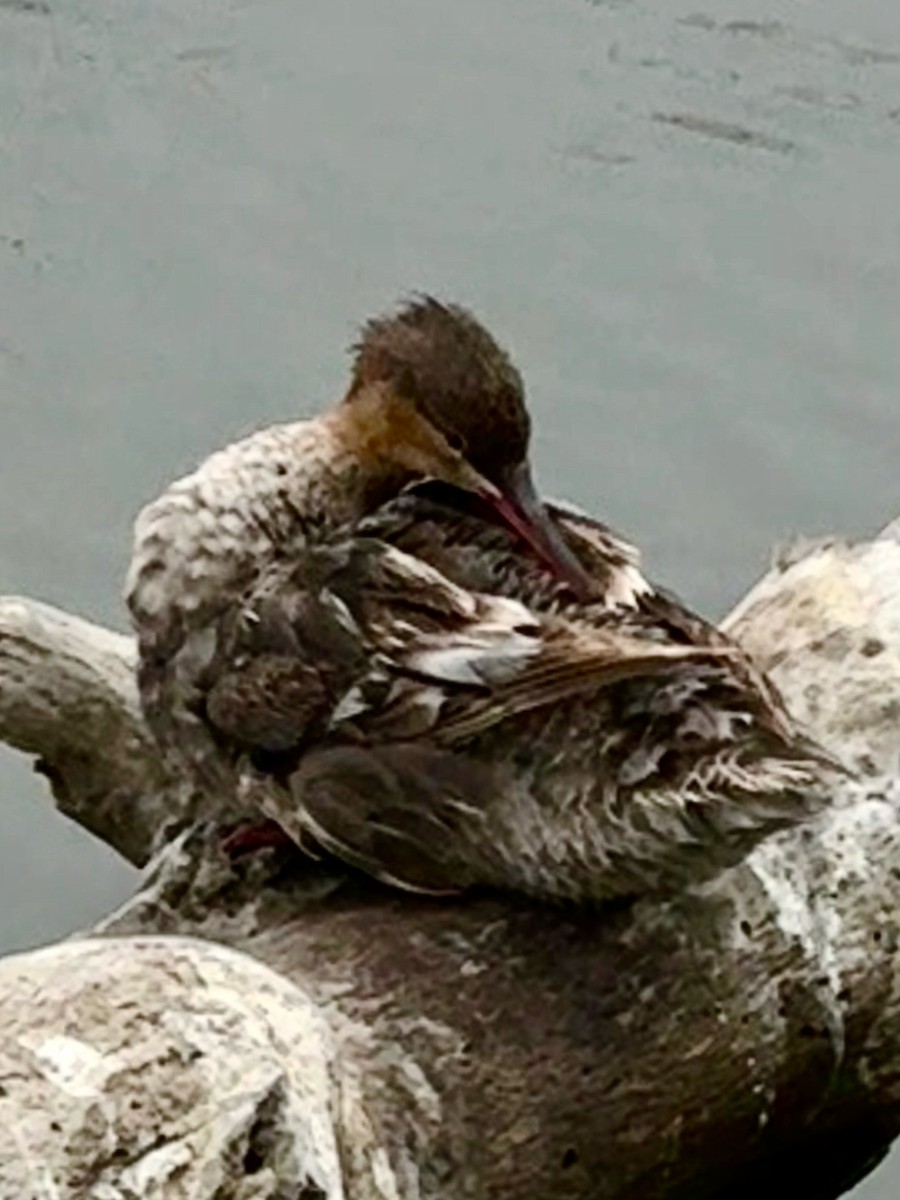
{"x": 247, "y": 839}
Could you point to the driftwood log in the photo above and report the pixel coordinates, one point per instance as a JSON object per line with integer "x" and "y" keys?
{"x": 280, "y": 1031}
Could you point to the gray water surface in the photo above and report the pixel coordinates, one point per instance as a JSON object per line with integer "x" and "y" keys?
{"x": 682, "y": 218}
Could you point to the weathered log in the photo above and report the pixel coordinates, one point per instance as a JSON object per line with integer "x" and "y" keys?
{"x": 68, "y": 696}
{"x": 367, "y": 1044}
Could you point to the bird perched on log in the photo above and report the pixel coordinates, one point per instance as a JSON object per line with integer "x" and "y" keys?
{"x": 431, "y": 674}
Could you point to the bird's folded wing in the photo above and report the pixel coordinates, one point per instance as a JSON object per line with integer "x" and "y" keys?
{"x": 400, "y": 785}
{"x": 451, "y": 664}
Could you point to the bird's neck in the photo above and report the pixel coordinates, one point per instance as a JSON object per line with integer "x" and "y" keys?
{"x": 358, "y": 470}
{"x": 211, "y": 533}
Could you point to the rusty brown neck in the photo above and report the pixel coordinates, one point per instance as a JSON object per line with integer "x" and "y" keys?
{"x": 365, "y": 433}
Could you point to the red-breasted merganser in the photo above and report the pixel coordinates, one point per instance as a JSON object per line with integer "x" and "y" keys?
{"x": 456, "y": 685}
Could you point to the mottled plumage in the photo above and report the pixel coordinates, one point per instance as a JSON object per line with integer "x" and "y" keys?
{"x": 401, "y": 679}
{"x": 565, "y": 750}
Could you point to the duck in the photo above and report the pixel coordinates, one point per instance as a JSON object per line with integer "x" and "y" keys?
{"x": 369, "y": 627}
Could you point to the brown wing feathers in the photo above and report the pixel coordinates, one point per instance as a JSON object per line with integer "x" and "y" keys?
{"x": 380, "y": 616}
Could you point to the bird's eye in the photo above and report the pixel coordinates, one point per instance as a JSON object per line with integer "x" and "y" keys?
{"x": 455, "y": 441}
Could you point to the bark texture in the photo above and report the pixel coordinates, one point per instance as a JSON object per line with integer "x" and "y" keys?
{"x": 301, "y": 1033}
{"x": 68, "y": 697}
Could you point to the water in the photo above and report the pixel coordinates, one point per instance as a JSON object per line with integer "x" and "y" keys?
{"x": 682, "y": 219}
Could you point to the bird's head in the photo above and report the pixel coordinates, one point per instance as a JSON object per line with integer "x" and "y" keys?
{"x": 437, "y": 398}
